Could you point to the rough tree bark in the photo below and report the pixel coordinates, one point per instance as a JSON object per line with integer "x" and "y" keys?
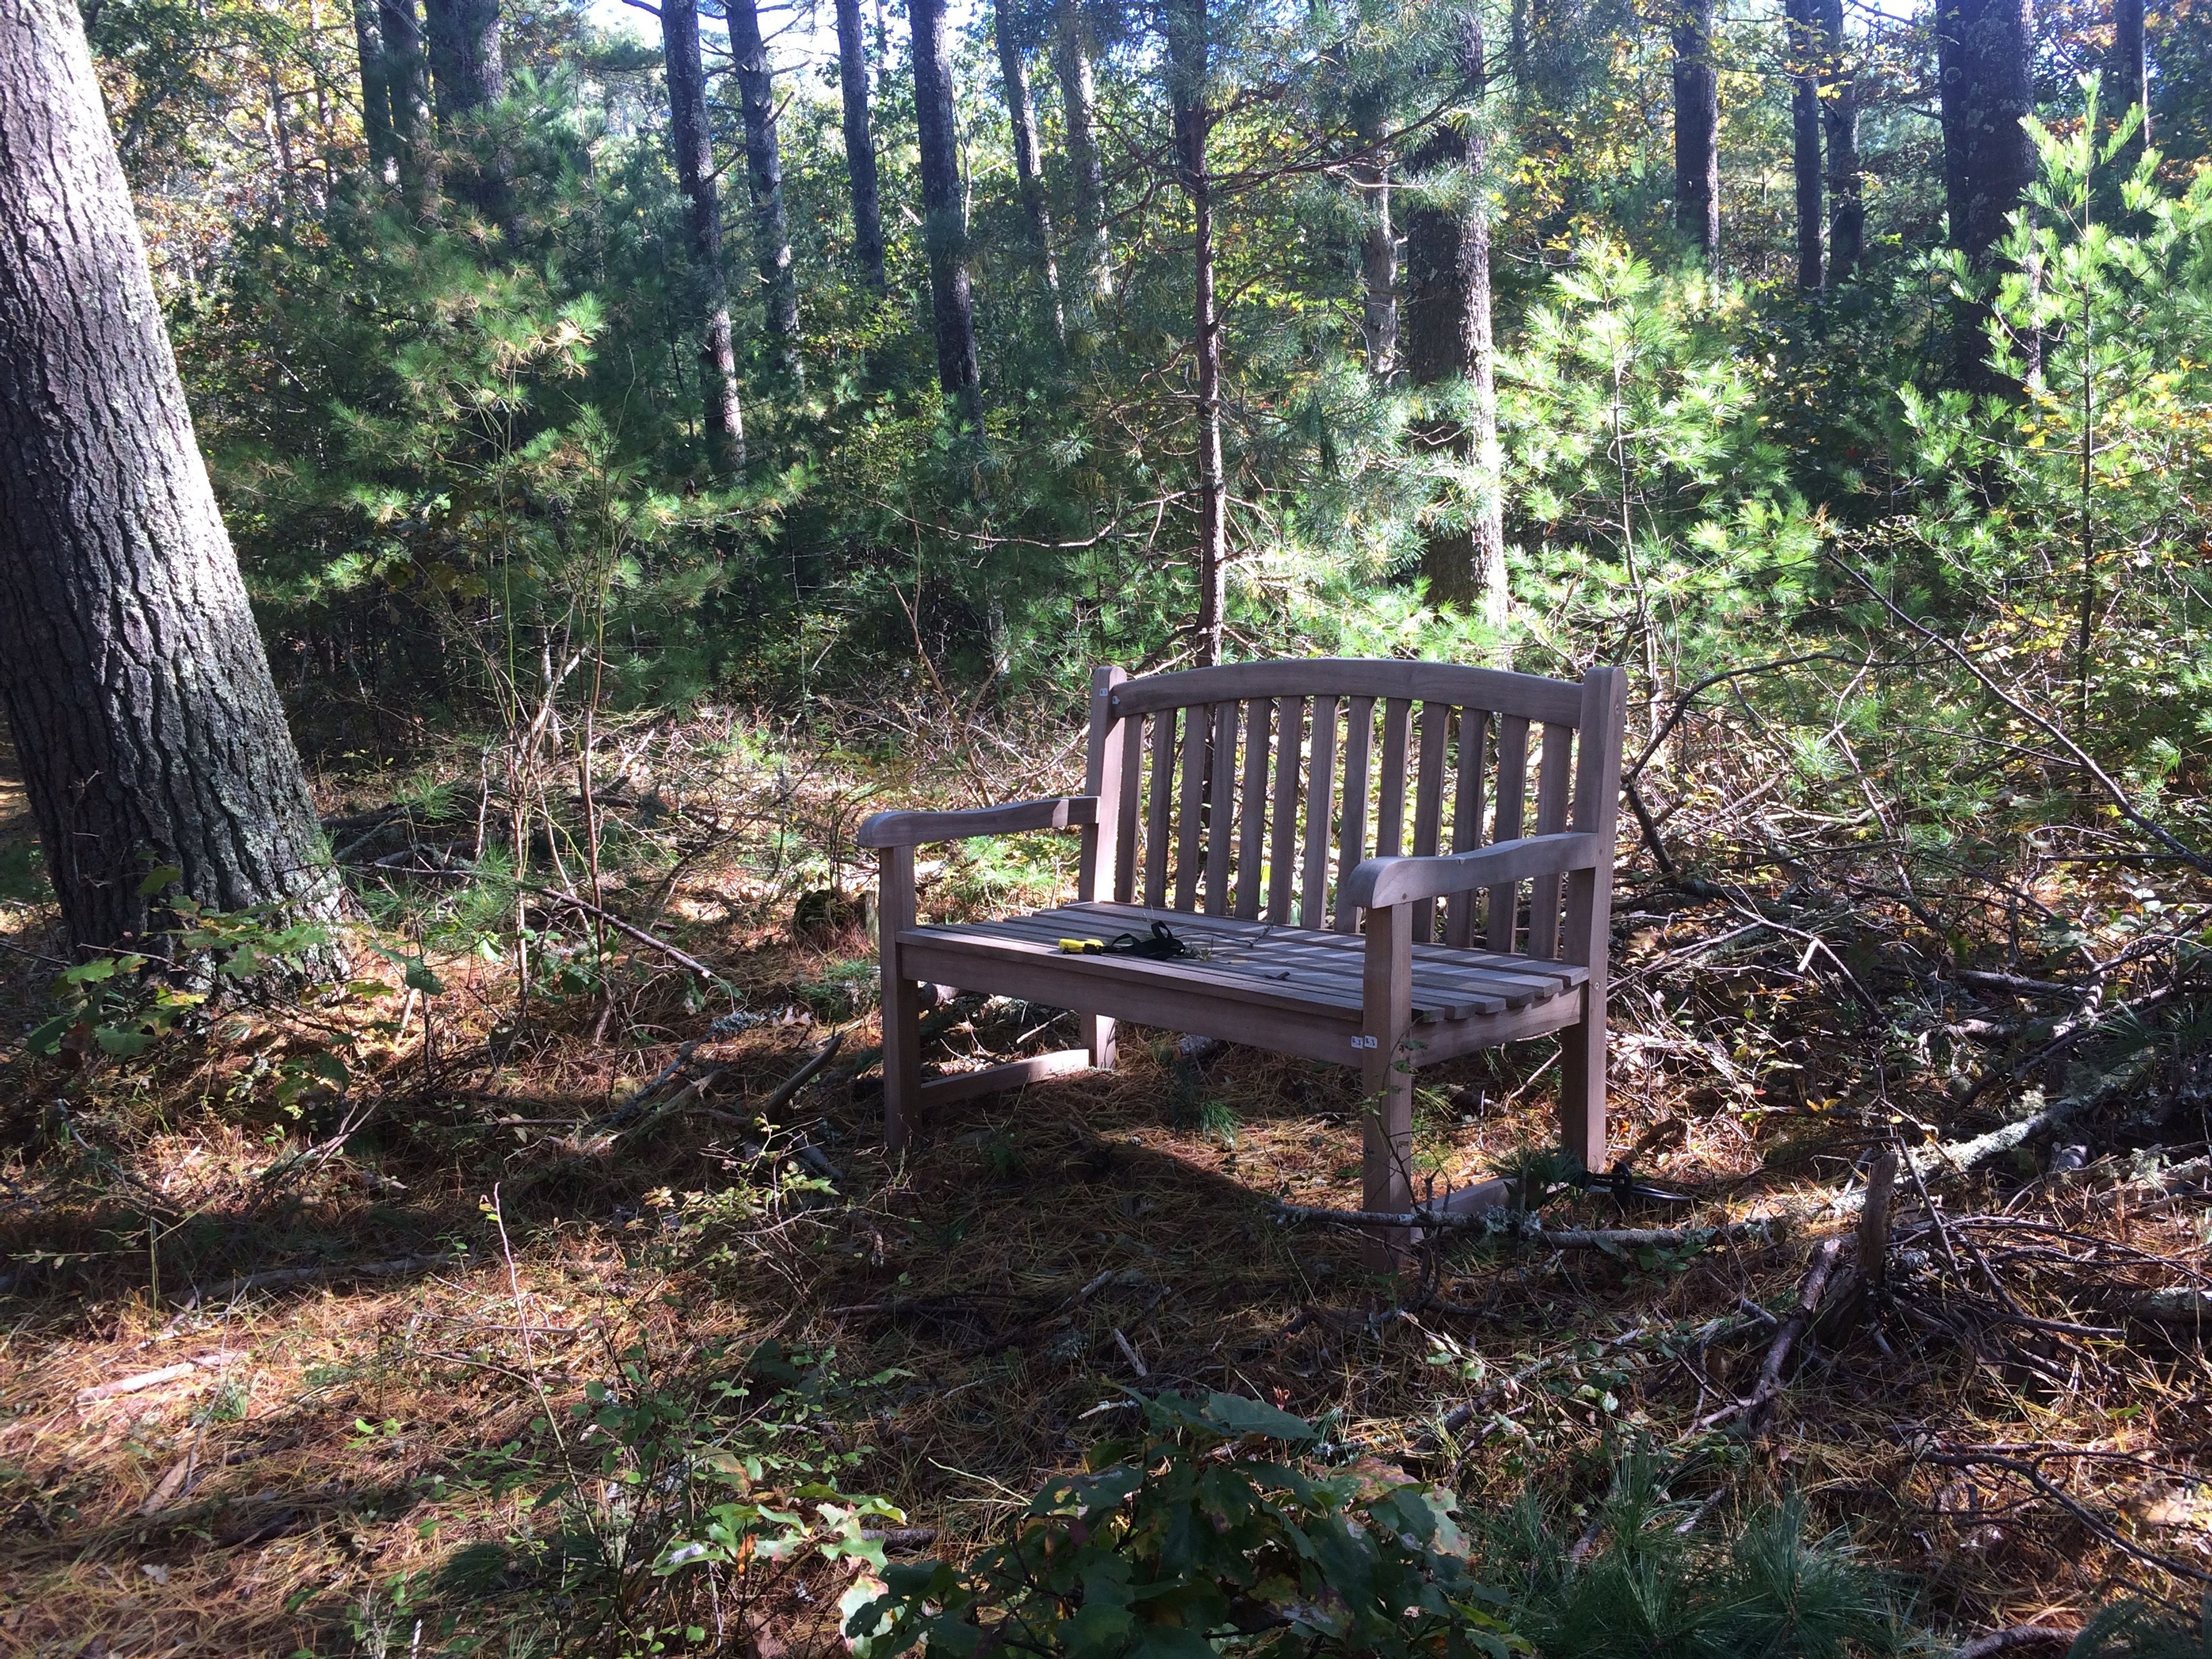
{"x": 1378, "y": 242}
{"x": 859, "y": 145}
{"x": 944, "y": 224}
{"x": 468, "y": 75}
{"x": 1187, "y": 72}
{"x": 1697, "y": 130}
{"x": 1802, "y": 46}
{"x": 1446, "y": 334}
{"x": 376, "y": 127}
{"x": 407, "y": 79}
{"x": 1986, "y": 87}
{"x": 1028, "y": 165}
{"x": 2128, "y": 79}
{"x": 690, "y": 133}
{"x": 467, "y": 70}
{"x": 1079, "y": 102}
{"x": 764, "y": 174}
{"x": 134, "y": 678}
{"x": 1839, "y": 126}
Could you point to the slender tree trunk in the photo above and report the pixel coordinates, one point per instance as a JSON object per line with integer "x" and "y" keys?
{"x": 690, "y": 133}
{"x": 1839, "y": 123}
{"x": 764, "y": 173}
{"x": 1987, "y": 87}
{"x": 859, "y": 145}
{"x": 1187, "y": 72}
{"x": 375, "y": 94}
{"x": 134, "y": 678}
{"x": 1378, "y": 242}
{"x": 1079, "y": 109}
{"x": 1697, "y": 130}
{"x": 1028, "y": 167}
{"x": 944, "y": 224}
{"x": 1448, "y": 335}
{"x": 1805, "y": 138}
{"x": 407, "y": 79}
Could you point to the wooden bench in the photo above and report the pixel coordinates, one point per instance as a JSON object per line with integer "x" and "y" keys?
{"x": 1240, "y": 804}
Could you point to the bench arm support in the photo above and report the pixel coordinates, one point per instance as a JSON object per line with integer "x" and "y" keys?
{"x": 1378, "y": 884}
{"x": 915, "y": 828}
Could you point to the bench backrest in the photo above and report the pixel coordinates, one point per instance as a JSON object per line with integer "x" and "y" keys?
{"x": 1253, "y": 790}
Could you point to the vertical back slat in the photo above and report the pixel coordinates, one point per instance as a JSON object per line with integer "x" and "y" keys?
{"x": 1320, "y": 816}
{"x": 1190, "y": 809}
{"x": 1352, "y": 809}
{"x": 1390, "y": 816}
{"x": 1132, "y": 778}
{"x": 1220, "y": 807}
{"x": 1252, "y": 809}
{"x": 1282, "y": 815}
{"x": 1467, "y": 820}
{"x": 1554, "y": 795}
{"x": 1429, "y": 804}
{"x": 1512, "y": 786}
{"x": 1158, "y": 808}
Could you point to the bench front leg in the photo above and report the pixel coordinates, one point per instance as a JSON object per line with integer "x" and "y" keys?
{"x": 902, "y": 1002}
{"x": 1386, "y": 1077}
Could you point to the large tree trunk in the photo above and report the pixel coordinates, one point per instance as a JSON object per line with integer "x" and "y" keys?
{"x": 1697, "y": 130}
{"x": 764, "y": 173}
{"x": 1839, "y": 123}
{"x": 468, "y": 75}
{"x": 1802, "y": 47}
{"x": 466, "y": 68}
{"x": 376, "y": 129}
{"x": 1187, "y": 72}
{"x": 134, "y": 678}
{"x": 690, "y": 133}
{"x": 1987, "y": 86}
{"x": 1078, "y": 110}
{"x": 859, "y": 145}
{"x": 407, "y": 78}
{"x": 1028, "y": 167}
{"x": 1378, "y": 243}
{"x": 945, "y": 222}
{"x": 2127, "y": 80}
{"x": 1448, "y": 335}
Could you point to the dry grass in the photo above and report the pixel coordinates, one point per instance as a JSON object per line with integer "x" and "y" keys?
{"x": 1037, "y": 1254}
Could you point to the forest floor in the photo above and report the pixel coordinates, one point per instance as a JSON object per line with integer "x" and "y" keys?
{"x": 253, "y": 1402}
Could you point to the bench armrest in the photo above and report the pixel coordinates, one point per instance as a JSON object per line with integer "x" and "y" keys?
{"x": 913, "y": 828}
{"x": 1381, "y": 881}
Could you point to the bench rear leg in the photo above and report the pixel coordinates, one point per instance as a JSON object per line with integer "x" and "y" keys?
{"x": 1582, "y": 1082}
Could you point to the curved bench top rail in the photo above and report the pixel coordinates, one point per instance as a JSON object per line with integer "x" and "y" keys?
{"x": 1550, "y": 702}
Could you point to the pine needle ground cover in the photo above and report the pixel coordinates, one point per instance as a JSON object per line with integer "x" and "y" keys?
{"x": 467, "y": 1354}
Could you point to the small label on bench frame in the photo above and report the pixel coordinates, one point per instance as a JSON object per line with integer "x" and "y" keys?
{"x": 1366, "y": 1043}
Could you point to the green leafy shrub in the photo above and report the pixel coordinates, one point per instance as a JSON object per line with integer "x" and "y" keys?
{"x": 1202, "y": 1537}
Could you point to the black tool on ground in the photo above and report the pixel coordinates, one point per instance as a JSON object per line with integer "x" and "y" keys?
{"x": 1161, "y": 946}
{"x": 1621, "y": 1183}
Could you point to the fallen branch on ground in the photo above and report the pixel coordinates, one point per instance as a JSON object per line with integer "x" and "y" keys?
{"x": 154, "y": 1379}
{"x": 271, "y": 1278}
{"x": 1502, "y": 1224}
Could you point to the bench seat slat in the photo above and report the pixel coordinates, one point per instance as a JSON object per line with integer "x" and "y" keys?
{"x": 1282, "y": 967}
{"x": 1486, "y": 972}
